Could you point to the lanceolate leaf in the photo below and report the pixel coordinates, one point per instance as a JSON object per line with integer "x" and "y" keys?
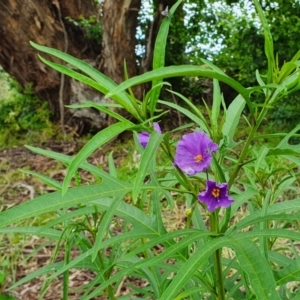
{"x": 147, "y": 158}
{"x": 192, "y": 111}
{"x": 101, "y": 138}
{"x": 55, "y": 201}
{"x": 277, "y": 208}
{"x": 49, "y": 232}
{"x": 146, "y": 262}
{"x": 187, "y": 113}
{"x": 159, "y": 54}
{"x": 215, "y": 111}
{"x": 199, "y": 257}
{"x": 233, "y": 115}
{"x": 269, "y": 49}
{"x": 183, "y": 70}
{"x": 65, "y": 159}
{"x": 49, "y": 181}
{"x": 288, "y": 274}
{"x": 257, "y": 268}
{"x": 96, "y": 79}
{"x": 105, "y": 221}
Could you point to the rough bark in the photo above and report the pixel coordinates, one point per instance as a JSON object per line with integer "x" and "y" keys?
{"x": 42, "y": 21}
{"x": 119, "y": 29}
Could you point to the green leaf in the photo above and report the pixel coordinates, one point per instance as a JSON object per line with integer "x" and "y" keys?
{"x": 67, "y": 216}
{"x": 288, "y": 274}
{"x": 187, "y": 113}
{"x": 65, "y": 159}
{"x": 233, "y": 115}
{"x": 48, "y": 181}
{"x": 166, "y": 237}
{"x": 215, "y": 111}
{"x": 269, "y": 49}
{"x": 277, "y": 208}
{"x": 257, "y": 268}
{"x": 6, "y": 297}
{"x": 260, "y": 157}
{"x": 111, "y": 165}
{"x": 189, "y": 268}
{"x": 55, "y": 201}
{"x": 101, "y": 107}
{"x": 131, "y": 214}
{"x": 151, "y": 261}
{"x": 180, "y": 71}
{"x": 33, "y": 230}
{"x": 212, "y": 66}
{"x": 147, "y": 158}
{"x": 104, "y": 224}
{"x": 242, "y": 198}
{"x": 193, "y": 111}
{"x": 159, "y": 55}
{"x": 101, "y": 138}
{"x": 41, "y": 271}
{"x": 284, "y": 143}
{"x": 103, "y": 83}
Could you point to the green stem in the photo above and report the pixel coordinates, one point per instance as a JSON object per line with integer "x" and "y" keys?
{"x": 214, "y": 220}
{"x": 220, "y": 283}
{"x": 107, "y": 273}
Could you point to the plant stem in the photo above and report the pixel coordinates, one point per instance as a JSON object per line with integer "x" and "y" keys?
{"x": 214, "y": 220}
{"x": 106, "y": 274}
{"x": 220, "y": 283}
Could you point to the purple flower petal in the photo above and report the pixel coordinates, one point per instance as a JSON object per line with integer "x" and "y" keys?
{"x": 157, "y": 127}
{"x": 144, "y": 137}
{"x": 194, "y": 152}
{"x": 215, "y": 195}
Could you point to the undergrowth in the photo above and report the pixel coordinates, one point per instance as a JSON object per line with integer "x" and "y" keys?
{"x": 24, "y": 118}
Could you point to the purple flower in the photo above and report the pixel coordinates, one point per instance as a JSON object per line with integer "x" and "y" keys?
{"x": 144, "y": 137}
{"x": 193, "y": 152}
{"x": 215, "y": 195}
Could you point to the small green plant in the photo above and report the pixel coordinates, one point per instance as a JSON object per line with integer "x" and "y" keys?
{"x": 91, "y": 26}
{"x": 22, "y": 112}
{"x": 241, "y": 196}
{"x": 3, "y": 273}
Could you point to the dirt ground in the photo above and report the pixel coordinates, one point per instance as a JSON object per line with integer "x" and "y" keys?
{"x": 16, "y": 188}
{"x": 28, "y": 253}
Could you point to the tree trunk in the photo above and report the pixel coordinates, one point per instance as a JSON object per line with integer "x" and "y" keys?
{"x": 119, "y": 30}
{"x": 44, "y": 22}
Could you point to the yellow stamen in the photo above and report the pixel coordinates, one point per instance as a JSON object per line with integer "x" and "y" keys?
{"x": 215, "y": 192}
{"x": 198, "y": 158}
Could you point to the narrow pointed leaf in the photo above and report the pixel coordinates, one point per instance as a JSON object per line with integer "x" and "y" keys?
{"x": 258, "y": 270}
{"x": 181, "y": 71}
{"x": 159, "y": 55}
{"x": 101, "y": 138}
{"x": 148, "y": 156}
{"x": 233, "y": 115}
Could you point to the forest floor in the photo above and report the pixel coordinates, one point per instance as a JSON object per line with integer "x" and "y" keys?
{"x": 25, "y": 254}
{"x": 21, "y": 251}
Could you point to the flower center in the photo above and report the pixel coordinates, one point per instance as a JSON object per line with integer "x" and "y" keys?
{"x": 216, "y": 192}
{"x": 198, "y": 158}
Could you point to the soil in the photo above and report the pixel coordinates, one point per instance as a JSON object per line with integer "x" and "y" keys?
{"x": 23, "y": 256}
